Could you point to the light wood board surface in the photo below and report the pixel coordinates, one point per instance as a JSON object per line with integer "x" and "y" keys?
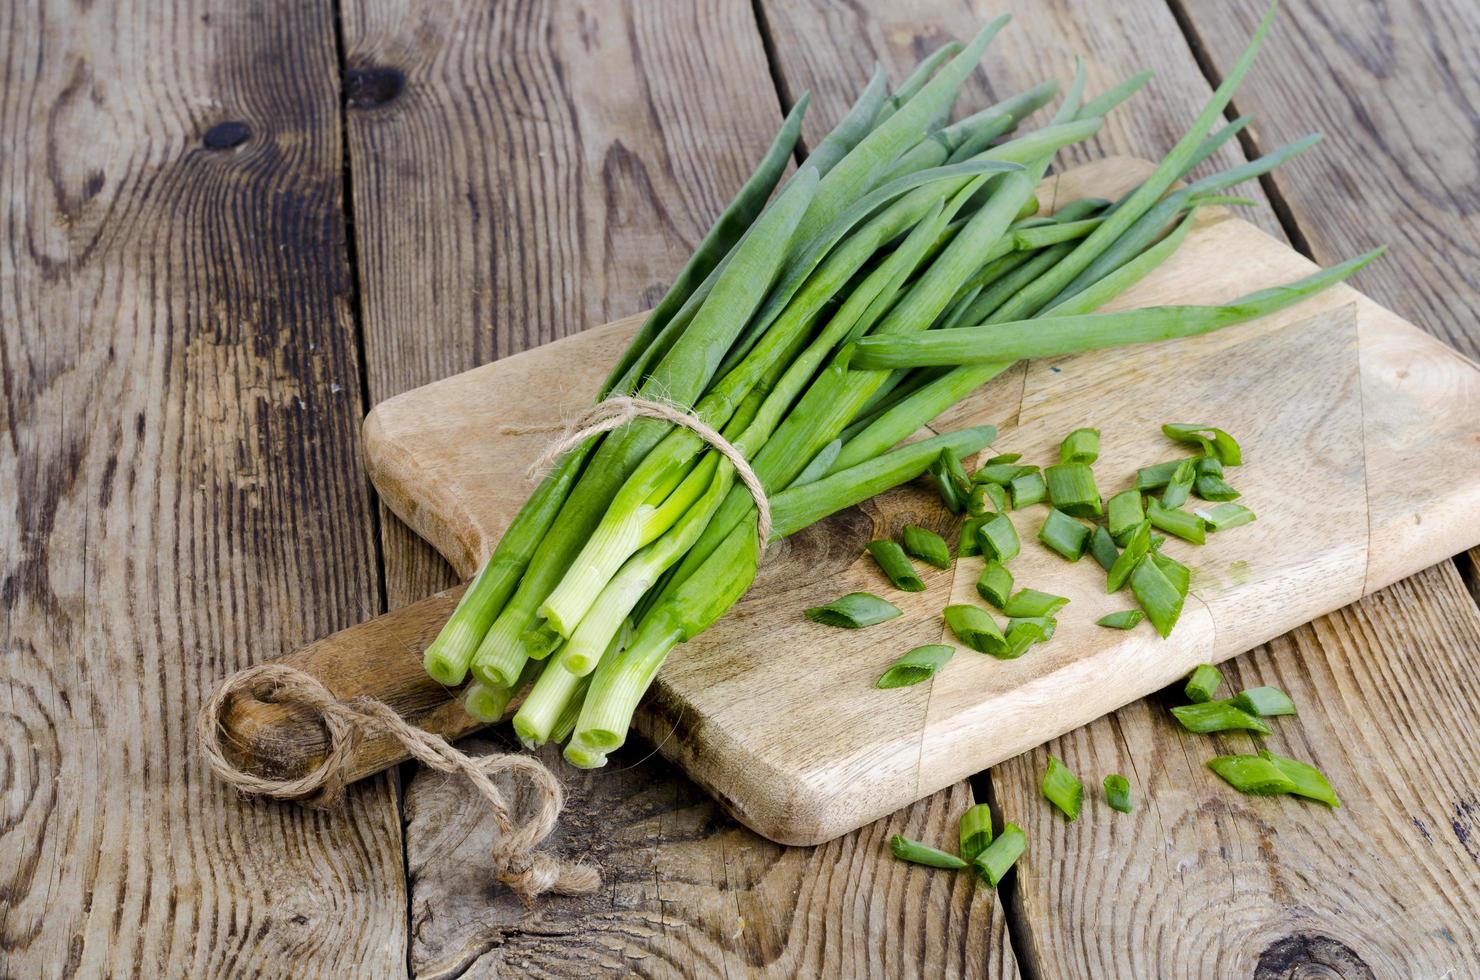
{"x": 1337, "y": 401}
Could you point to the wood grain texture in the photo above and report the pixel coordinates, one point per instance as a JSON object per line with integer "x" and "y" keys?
{"x": 1203, "y": 881}
{"x": 180, "y": 407}
{"x": 689, "y": 892}
{"x": 1329, "y": 473}
{"x": 546, "y": 167}
{"x": 829, "y": 47}
{"x": 1395, "y": 88}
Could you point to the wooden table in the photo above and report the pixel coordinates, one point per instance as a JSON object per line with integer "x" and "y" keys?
{"x": 230, "y": 228}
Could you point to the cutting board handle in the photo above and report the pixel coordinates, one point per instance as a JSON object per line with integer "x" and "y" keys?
{"x": 379, "y": 658}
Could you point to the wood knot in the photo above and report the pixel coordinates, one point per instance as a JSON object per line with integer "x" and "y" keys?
{"x": 1307, "y": 956}
{"x": 227, "y": 135}
{"x": 372, "y": 86}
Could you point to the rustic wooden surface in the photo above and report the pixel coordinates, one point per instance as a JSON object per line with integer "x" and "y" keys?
{"x": 144, "y": 278}
{"x": 1340, "y": 519}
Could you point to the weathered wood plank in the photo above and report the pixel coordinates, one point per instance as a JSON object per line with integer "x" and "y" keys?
{"x": 548, "y": 167}
{"x": 1202, "y": 880}
{"x": 180, "y": 410}
{"x": 1395, "y": 89}
{"x": 829, "y": 48}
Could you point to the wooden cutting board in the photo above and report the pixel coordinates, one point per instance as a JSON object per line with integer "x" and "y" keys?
{"x": 1361, "y": 436}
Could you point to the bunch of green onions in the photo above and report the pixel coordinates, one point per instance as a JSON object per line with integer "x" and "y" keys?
{"x": 899, "y": 268}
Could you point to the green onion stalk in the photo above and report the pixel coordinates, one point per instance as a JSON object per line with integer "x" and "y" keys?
{"x": 898, "y": 269}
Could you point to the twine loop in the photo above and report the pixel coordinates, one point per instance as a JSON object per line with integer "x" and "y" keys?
{"x": 617, "y": 411}
{"x": 516, "y": 861}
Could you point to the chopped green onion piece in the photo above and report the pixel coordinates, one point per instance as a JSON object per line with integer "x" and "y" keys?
{"x": 1158, "y": 596}
{"x": 1252, "y": 774}
{"x": 983, "y": 494}
{"x": 1020, "y": 636}
{"x": 1062, "y": 788}
{"x": 1213, "y": 488}
{"x": 976, "y": 629}
{"x": 1071, "y": 489}
{"x": 999, "y": 539}
{"x": 1003, "y": 458}
{"x": 1027, "y": 489}
{"x": 1203, "y": 683}
{"x": 1215, "y": 442}
{"x": 896, "y": 565}
{"x": 1135, "y": 549}
{"x": 1000, "y": 855}
{"x": 916, "y": 666}
{"x": 1125, "y": 619}
{"x": 1031, "y": 602}
{"x": 1180, "y": 485}
{"x": 926, "y": 545}
{"x": 1118, "y": 793}
{"x": 951, "y": 480}
{"x": 1064, "y": 535}
{"x": 1123, "y": 514}
{"x": 1080, "y": 446}
{"x": 1217, "y": 716}
{"x": 1003, "y": 473}
{"x": 1041, "y": 628}
{"x": 1177, "y": 573}
{"x": 1209, "y": 466}
{"x": 1183, "y": 524}
{"x": 1102, "y": 546}
{"x": 917, "y": 853}
{"x": 968, "y": 544}
{"x": 1266, "y": 702}
{"x": 1309, "y": 781}
{"x": 854, "y": 611}
{"x": 995, "y": 584}
{"x": 976, "y": 831}
{"x": 1225, "y": 516}
{"x": 1150, "y": 478}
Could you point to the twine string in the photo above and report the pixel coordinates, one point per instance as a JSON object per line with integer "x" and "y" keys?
{"x": 617, "y": 411}
{"x": 516, "y": 861}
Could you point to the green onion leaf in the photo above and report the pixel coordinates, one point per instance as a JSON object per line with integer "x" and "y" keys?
{"x": 1118, "y": 793}
{"x": 1217, "y": 716}
{"x": 1123, "y": 513}
{"x": 976, "y": 629}
{"x": 1027, "y": 489}
{"x": 999, "y": 539}
{"x": 976, "y": 831}
{"x": 984, "y": 494}
{"x": 1180, "y": 485}
{"x": 1210, "y": 487}
{"x": 1064, "y": 535}
{"x": 926, "y": 545}
{"x": 1215, "y": 442}
{"x": 1004, "y": 458}
{"x": 968, "y": 543}
{"x": 1225, "y": 516}
{"x": 1177, "y": 573}
{"x": 918, "y": 665}
{"x": 951, "y": 480}
{"x": 1040, "y": 628}
{"x": 1102, "y": 547}
{"x": 1125, "y": 619}
{"x": 1202, "y": 684}
{"x": 896, "y": 565}
{"x": 917, "y": 853}
{"x": 1150, "y": 478}
{"x": 854, "y": 611}
{"x": 1080, "y": 446}
{"x": 1209, "y": 466}
{"x": 1252, "y": 774}
{"x": 1181, "y": 523}
{"x": 999, "y": 857}
{"x": 1062, "y": 788}
{"x": 1021, "y": 636}
{"x": 1071, "y": 489}
{"x": 1031, "y": 602}
{"x": 1309, "y": 781}
{"x": 1135, "y": 549}
{"x": 1158, "y": 596}
{"x": 1265, "y": 702}
{"x": 1002, "y": 473}
{"x": 995, "y": 584}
